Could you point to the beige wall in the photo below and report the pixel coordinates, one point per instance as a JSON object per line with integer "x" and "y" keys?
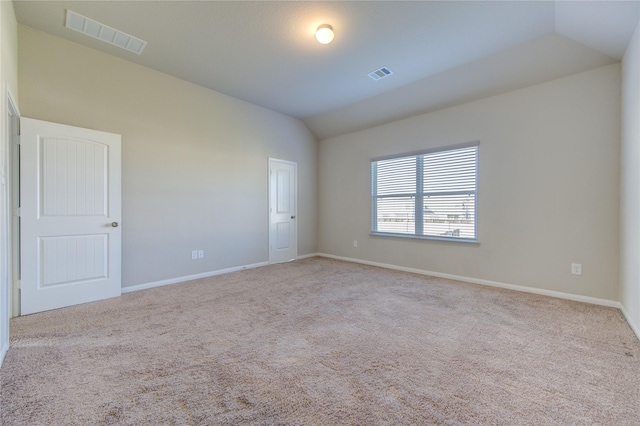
{"x": 548, "y": 187}
{"x": 194, "y": 161}
{"x": 630, "y": 183}
{"x": 9, "y": 49}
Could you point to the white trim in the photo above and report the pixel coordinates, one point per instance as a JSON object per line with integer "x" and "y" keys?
{"x": 3, "y": 352}
{"x": 190, "y": 277}
{"x": 557, "y": 294}
{"x": 9, "y": 109}
{"x": 307, "y": 256}
{"x": 13, "y": 176}
{"x": 632, "y": 324}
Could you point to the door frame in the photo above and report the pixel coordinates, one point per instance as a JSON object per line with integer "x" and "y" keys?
{"x": 295, "y": 204}
{"x": 7, "y": 250}
{"x": 14, "y": 204}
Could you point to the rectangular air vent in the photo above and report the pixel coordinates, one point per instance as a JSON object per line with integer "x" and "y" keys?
{"x": 380, "y": 73}
{"x": 94, "y": 29}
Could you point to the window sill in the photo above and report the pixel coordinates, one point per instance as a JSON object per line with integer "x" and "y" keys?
{"x": 426, "y": 237}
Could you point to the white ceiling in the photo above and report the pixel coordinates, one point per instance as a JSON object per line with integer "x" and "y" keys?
{"x": 441, "y": 52}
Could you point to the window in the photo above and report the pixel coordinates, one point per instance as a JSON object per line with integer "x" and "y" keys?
{"x": 431, "y": 194}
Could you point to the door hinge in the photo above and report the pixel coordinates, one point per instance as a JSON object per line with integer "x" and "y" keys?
{"x": 17, "y": 285}
{"x": 16, "y": 212}
{"x": 17, "y": 139}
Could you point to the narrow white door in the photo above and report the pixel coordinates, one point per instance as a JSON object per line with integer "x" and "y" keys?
{"x": 283, "y": 241}
{"x": 69, "y": 215}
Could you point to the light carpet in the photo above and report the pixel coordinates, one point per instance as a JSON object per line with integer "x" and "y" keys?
{"x": 323, "y": 342}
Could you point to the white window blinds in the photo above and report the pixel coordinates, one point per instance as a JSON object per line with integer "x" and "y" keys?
{"x": 429, "y": 194}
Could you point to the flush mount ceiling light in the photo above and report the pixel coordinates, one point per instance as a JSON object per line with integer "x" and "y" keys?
{"x": 324, "y": 34}
{"x": 94, "y": 29}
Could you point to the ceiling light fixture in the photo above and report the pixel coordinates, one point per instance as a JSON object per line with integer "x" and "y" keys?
{"x": 324, "y": 34}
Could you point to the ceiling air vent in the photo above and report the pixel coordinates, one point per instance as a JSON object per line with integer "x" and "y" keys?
{"x": 380, "y": 73}
{"x": 94, "y": 29}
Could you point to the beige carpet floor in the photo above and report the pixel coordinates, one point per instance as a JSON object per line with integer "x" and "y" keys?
{"x": 323, "y": 342}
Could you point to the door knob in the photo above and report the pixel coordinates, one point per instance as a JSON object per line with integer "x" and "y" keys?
{"x": 114, "y": 224}
{"x": 293, "y": 217}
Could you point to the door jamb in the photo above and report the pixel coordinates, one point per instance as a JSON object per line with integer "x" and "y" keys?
{"x": 9, "y": 120}
{"x": 13, "y": 175}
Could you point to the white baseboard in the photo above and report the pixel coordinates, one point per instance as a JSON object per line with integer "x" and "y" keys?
{"x": 558, "y": 294}
{"x": 3, "y": 352}
{"x": 190, "y": 277}
{"x": 632, "y": 324}
{"x": 203, "y": 275}
{"x": 306, "y": 256}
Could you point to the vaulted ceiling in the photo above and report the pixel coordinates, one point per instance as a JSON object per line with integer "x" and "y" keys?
{"x": 441, "y": 52}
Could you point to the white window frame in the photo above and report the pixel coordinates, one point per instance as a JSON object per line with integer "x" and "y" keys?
{"x": 420, "y": 194}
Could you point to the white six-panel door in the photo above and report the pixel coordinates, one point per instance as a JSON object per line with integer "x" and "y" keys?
{"x": 69, "y": 215}
{"x": 282, "y": 211}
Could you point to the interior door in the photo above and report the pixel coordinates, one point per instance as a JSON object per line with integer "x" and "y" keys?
{"x": 70, "y": 234}
{"x": 283, "y": 241}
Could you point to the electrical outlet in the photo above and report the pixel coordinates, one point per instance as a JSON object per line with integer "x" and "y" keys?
{"x": 200, "y": 254}
{"x": 194, "y": 254}
{"x": 355, "y": 243}
{"x": 576, "y": 268}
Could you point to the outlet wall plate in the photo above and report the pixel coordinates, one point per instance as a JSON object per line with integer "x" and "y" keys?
{"x": 576, "y": 268}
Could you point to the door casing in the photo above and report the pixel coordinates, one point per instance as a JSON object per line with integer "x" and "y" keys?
{"x": 7, "y": 140}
